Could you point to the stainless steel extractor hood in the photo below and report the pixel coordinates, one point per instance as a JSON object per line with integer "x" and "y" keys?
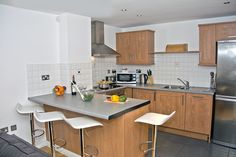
{"x": 97, "y": 36}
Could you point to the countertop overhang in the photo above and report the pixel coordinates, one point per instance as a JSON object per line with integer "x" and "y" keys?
{"x": 95, "y": 108}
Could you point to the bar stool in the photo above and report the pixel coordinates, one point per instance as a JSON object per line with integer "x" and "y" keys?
{"x": 50, "y": 117}
{"x": 29, "y": 109}
{"x": 82, "y": 123}
{"x": 154, "y": 119}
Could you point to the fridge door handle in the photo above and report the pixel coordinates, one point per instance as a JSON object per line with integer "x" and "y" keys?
{"x": 225, "y": 99}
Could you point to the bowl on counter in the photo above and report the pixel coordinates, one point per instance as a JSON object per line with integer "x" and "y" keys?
{"x": 87, "y": 95}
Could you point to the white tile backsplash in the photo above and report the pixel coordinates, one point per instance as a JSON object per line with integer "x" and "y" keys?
{"x": 166, "y": 70}
{"x": 60, "y": 74}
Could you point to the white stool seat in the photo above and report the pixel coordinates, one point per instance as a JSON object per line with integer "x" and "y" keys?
{"x": 154, "y": 118}
{"x": 82, "y": 122}
{"x": 29, "y": 108}
{"x": 48, "y": 116}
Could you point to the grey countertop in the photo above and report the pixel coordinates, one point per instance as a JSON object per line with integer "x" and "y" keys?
{"x": 95, "y": 108}
{"x": 194, "y": 90}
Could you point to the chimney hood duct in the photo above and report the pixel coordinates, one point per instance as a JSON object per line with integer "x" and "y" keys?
{"x": 99, "y": 49}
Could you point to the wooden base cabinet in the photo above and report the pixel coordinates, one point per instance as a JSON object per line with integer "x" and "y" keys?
{"x": 146, "y": 94}
{"x": 193, "y": 113}
{"x": 119, "y": 137}
{"x": 198, "y": 113}
{"x": 167, "y": 102}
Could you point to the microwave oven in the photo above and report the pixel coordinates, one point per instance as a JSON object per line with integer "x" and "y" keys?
{"x": 126, "y": 78}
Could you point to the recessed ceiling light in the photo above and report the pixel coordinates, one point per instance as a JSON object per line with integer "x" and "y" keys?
{"x": 124, "y": 10}
{"x": 227, "y": 2}
{"x": 139, "y": 15}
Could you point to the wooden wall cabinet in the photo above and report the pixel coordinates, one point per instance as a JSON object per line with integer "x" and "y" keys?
{"x": 209, "y": 34}
{"x": 198, "y": 113}
{"x": 225, "y": 30}
{"x": 135, "y": 47}
{"x": 146, "y": 94}
{"x": 167, "y": 102}
{"x": 207, "y": 45}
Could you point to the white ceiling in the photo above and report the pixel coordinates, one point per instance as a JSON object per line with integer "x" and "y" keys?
{"x": 153, "y": 11}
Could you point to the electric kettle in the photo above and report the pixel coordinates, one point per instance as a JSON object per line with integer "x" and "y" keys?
{"x": 143, "y": 78}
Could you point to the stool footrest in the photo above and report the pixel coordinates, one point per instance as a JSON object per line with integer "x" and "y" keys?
{"x": 91, "y": 151}
{"x": 38, "y": 130}
{"x": 145, "y": 150}
{"x": 59, "y": 143}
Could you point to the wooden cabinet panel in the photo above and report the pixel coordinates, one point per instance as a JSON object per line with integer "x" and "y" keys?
{"x": 167, "y": 102}
{"x": 207, "y": 45}
{"x": 135, "y": 133}
{"x": 119, "y": 137}
{"x": 225, "y": 30}
{"x": 145, "y": 94}
{"x": 129, "y": 92}
{"x": 208, "y": 35}
{"x": 123, "y": 47}
{"x": 198, "y": 113}
{"x": 135, "y": 47}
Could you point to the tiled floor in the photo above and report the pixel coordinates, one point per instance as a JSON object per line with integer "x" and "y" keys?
{"x": 170, "y": 145}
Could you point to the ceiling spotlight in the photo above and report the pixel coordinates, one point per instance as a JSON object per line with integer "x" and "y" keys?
{"x": 227, "y": 2}
{"x": 124, "y": 10}
{"x": 139, "y": 15}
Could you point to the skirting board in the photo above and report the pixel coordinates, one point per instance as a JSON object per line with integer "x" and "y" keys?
{"x": 185, "y": 133}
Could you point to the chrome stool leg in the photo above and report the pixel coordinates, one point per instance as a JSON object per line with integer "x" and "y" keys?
{"x": 154, "y": 140}
{"x": 32, "y": 128}
{"x": 51, "y": 136}
{"x": 81, "y": 131}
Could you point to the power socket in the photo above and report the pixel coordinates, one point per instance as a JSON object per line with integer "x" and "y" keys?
{"x": 45, "y": 77}
{"x": 13, "y": 127}
{"x": 5, "y": 129}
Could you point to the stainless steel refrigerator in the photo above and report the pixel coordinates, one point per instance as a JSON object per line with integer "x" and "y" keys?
{"x": 224, "y": 127}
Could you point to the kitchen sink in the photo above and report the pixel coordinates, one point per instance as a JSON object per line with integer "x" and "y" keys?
{"x": 173, "y": 87}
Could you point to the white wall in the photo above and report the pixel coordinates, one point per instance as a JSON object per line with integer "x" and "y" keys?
{"x": 25, "y": 37}
{"x": 75, "y": 38}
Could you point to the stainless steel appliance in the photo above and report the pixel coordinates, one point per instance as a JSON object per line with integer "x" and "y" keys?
{"x": 143, "y": 78}
{"x": 224, "y": 128}
{"x": 99, "y": 49}
{"x": 126, "y": 78}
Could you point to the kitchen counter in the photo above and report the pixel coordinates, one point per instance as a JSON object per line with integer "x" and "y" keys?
{"x": 95, "y": 108}
{"x": 196, "y": 90}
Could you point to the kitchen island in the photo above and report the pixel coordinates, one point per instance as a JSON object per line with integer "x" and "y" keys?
{"x": 119, "y": 136}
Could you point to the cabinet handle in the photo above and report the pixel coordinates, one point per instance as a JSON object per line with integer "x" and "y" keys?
{"x": 182, "y": 100}
{"x": 233, "y": 36}
{"x": 154, "y": 96}
{"x": 199, "y": 97}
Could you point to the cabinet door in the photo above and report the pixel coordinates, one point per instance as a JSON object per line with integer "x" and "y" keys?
{"x": 225, "y": 30}
{"x": 207, "y": 45}
{"x": 198, "y": 113}
{"x": 135, "y": 47}
{"x": 129, "y": 92}
{"x": 123, "y": 47}
{"x": 145, "y": 94}
{"x": 167, "y": 102}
